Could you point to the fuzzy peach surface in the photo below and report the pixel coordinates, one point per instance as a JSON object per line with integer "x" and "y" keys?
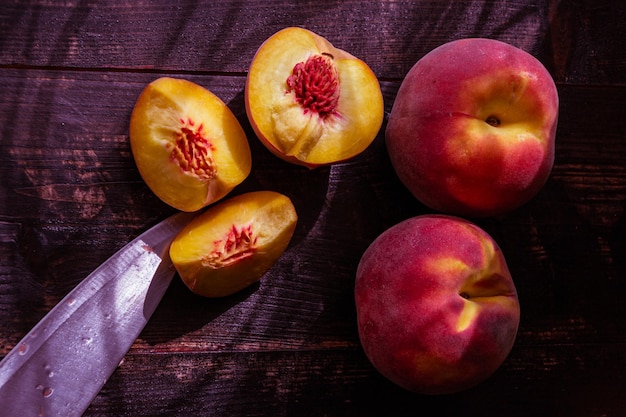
{"x": 440, "y": 141}
{"x": 437, "y": 310}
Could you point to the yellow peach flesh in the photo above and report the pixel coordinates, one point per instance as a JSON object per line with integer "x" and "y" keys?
{"x": 234, "y": 243}
{"x": 306, "y": 136}
{"x": 172, "y": 111}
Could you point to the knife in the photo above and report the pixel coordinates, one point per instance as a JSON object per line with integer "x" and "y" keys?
{"x": 59, "y": 367}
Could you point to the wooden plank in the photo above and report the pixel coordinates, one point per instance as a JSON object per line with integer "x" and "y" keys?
{"x": 217, "y": 37}
{"x": 59, "y": 221}
{"x": 340, "y": 382}
{"x": 70, "y": 196}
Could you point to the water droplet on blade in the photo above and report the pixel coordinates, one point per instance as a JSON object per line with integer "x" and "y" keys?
{"x": 48, "y": 370}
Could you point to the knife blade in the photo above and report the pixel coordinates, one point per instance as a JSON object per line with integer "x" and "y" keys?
{"x": 59, "y": 367}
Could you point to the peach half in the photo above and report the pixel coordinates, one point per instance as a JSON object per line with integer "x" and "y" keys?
{"x": 310, "y": 103}
{"x": 234, "y": 243}
{"x": 188, "y": 146}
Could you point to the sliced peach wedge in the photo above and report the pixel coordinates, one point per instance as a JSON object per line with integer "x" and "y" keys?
{"x": 234, "y": 243}
{"x": 189, "y": 147}
{"x": 310, "y": 103}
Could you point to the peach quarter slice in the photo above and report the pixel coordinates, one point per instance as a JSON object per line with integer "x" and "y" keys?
{"x": 310, "y": 103}
{"x": 188, "y": 146}
{"x": 234, "y": 243}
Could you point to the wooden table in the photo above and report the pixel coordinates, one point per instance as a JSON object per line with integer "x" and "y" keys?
{"x": 70, "y": 196}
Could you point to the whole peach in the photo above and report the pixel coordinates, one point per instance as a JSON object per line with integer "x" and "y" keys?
{"x": 472, "y": 128}
{"x": 437, "y": 309}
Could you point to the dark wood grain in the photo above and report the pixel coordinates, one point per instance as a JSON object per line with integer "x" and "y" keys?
{"x": 582, "y": 41}
{"x": 70, "y": 196}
